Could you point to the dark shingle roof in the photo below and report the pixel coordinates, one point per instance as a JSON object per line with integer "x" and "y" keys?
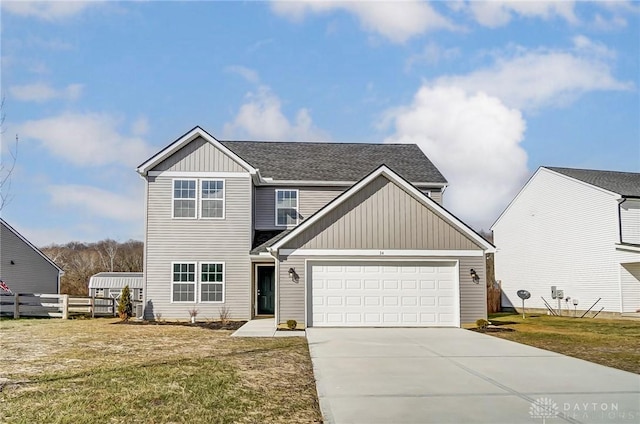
{"x": 304, "y": 161}
{"x": 263, "y": 246}
{"x": 624, "y": 183}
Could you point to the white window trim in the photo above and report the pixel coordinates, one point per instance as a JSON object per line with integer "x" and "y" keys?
{"x": 297, "y": 208}
{"x": 223, "y": 282}
{"x": 195, "y": 282}
{"x": 173, "y": 199}
{"x": 201, "y": 199}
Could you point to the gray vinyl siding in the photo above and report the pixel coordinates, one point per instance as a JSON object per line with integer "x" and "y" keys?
{"x": 196, "y": 240}
{"x": 311, "y": 199}
{"x": 630, "y": 221}
{"x": 473, "y": 297}
{"x": 199, "y": 156}
{"x": 382, "y": 216}
{"x": 291, "y": 295}
{"x": 30, "y": 273}
{"x": 435, "y": 194}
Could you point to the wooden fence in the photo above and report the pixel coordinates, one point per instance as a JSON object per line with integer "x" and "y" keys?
{"x": 57, "y": 305}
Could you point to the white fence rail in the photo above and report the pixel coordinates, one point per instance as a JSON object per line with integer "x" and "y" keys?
{"x": 57, "y": 305}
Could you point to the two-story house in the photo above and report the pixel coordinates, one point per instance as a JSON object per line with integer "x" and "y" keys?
{"x": 327, "y": 234}
{"x": 577, "y": 230}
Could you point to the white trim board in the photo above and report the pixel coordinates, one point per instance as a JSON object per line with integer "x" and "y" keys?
{"x": 378, "y": 253}
{"x": 197, "y": 174}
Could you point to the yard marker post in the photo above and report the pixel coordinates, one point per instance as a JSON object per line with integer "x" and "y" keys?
{"x": 16, "y": 306}
{"x": 93, "y": 307}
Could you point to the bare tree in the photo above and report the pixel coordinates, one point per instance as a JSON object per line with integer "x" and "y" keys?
{"x": 6, "y": 167}
{"x": 107, "y": 250}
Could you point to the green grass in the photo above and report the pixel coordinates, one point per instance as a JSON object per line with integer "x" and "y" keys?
{"x": 87, "y": 371}
{"x": 611, "y": 342}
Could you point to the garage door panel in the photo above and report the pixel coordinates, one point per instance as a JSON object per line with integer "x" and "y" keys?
{"x": 383, "y": 295}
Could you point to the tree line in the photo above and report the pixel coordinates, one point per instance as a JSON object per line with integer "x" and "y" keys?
{"x": 81, "y": 260}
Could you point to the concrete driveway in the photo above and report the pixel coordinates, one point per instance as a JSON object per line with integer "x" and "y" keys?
{"x": 438, "y": 375}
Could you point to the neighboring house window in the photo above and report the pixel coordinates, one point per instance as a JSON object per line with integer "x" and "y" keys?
{"x": 184, "y": 198}
{"x": 212, "y": 199}
{"x": 99, "y": 293}
{"x": 139, "y": 294}
{"x": 183, "y": 282}
{"x": 286, "y": 207}
{"x": 211, "y": 282}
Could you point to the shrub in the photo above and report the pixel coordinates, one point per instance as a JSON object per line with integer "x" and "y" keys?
{"x": 292, "y": 324}
{"x": 482, "y": 324}
{"x": 224, "y": 313}
{"x": 125, "y": 308}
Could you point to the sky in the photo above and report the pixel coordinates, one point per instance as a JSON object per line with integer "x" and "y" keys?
{"x": 490, "y": 91}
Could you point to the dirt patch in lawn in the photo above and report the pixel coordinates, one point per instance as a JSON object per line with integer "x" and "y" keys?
{"x": 614, "y": 343}
{"x": 86, "y": 371}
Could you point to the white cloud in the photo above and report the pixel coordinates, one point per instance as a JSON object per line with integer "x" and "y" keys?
{"x": 397, "y": 22}
{"x": 247, "y": 73}
{"x": 86, "y": 139}
{"x": 475, "y": 142}
{"x": 47, "y": 10}
{"x": 530, "y": 79}
{"x": 40, "y": 92}
{"x": 261, "y": 117}
{"x": 497, "y": 13}
{"x": 98, "y": 203}
{"x": 140, "y": 126}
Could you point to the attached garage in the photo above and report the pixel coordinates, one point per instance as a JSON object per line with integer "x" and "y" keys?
{"x": 383, "y": 294}
{"x": 382, "y": 254}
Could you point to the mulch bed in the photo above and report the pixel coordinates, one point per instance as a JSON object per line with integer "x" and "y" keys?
{"x": 210, "y": 325}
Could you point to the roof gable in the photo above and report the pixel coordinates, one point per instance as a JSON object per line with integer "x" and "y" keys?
{"x": 181, "y": 142}
{"x": 28, "y": 243}
{"x": 373, "y": 179}
{"x": 626, "y": 184}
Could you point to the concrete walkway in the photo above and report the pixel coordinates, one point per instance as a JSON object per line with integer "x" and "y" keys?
{"x": 437, "y": 375}
{"x": 264, "y": 327}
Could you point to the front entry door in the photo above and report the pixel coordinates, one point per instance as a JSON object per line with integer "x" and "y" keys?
{"x": 266, "y": 290}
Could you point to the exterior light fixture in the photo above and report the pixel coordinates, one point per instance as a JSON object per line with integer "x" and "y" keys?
{"x": 474, "y": 276}
{"x": 293, "y": 275}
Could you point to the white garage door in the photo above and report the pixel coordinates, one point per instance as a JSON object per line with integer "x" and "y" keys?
{"x": 388, "y": 294}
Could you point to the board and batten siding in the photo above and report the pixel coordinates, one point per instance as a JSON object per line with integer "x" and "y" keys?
{"x": 30, "y": 272}
{"x": 199, "y": 156}
{"x": 291, "y": 294}
{"x": 311, "y": 199}
{"x": 225, "y": 240}
{"x": 382, "y": 216}
{"x": 630, "y": 221}
{"x": 559, "y": 232}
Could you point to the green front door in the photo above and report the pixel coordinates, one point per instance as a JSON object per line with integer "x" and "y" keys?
{"x": 266, "y": 290}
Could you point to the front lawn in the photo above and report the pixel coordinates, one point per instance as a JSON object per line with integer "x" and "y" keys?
{"x": 87, "y": 371}
{"x": 614, "y": 343}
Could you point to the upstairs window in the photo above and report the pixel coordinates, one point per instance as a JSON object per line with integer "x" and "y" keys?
{"x": 212, "y": 199}
{"x": 184, "y": 198}
{"x": 286, "y": 207}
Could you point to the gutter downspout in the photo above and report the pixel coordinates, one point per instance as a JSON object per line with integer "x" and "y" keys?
{"x": 624, "y": 199}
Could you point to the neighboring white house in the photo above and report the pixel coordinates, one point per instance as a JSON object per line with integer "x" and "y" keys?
{"x": 23, "y": 267}
{"x": 111, "y": 284}
{"x": 578, "y": 230}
